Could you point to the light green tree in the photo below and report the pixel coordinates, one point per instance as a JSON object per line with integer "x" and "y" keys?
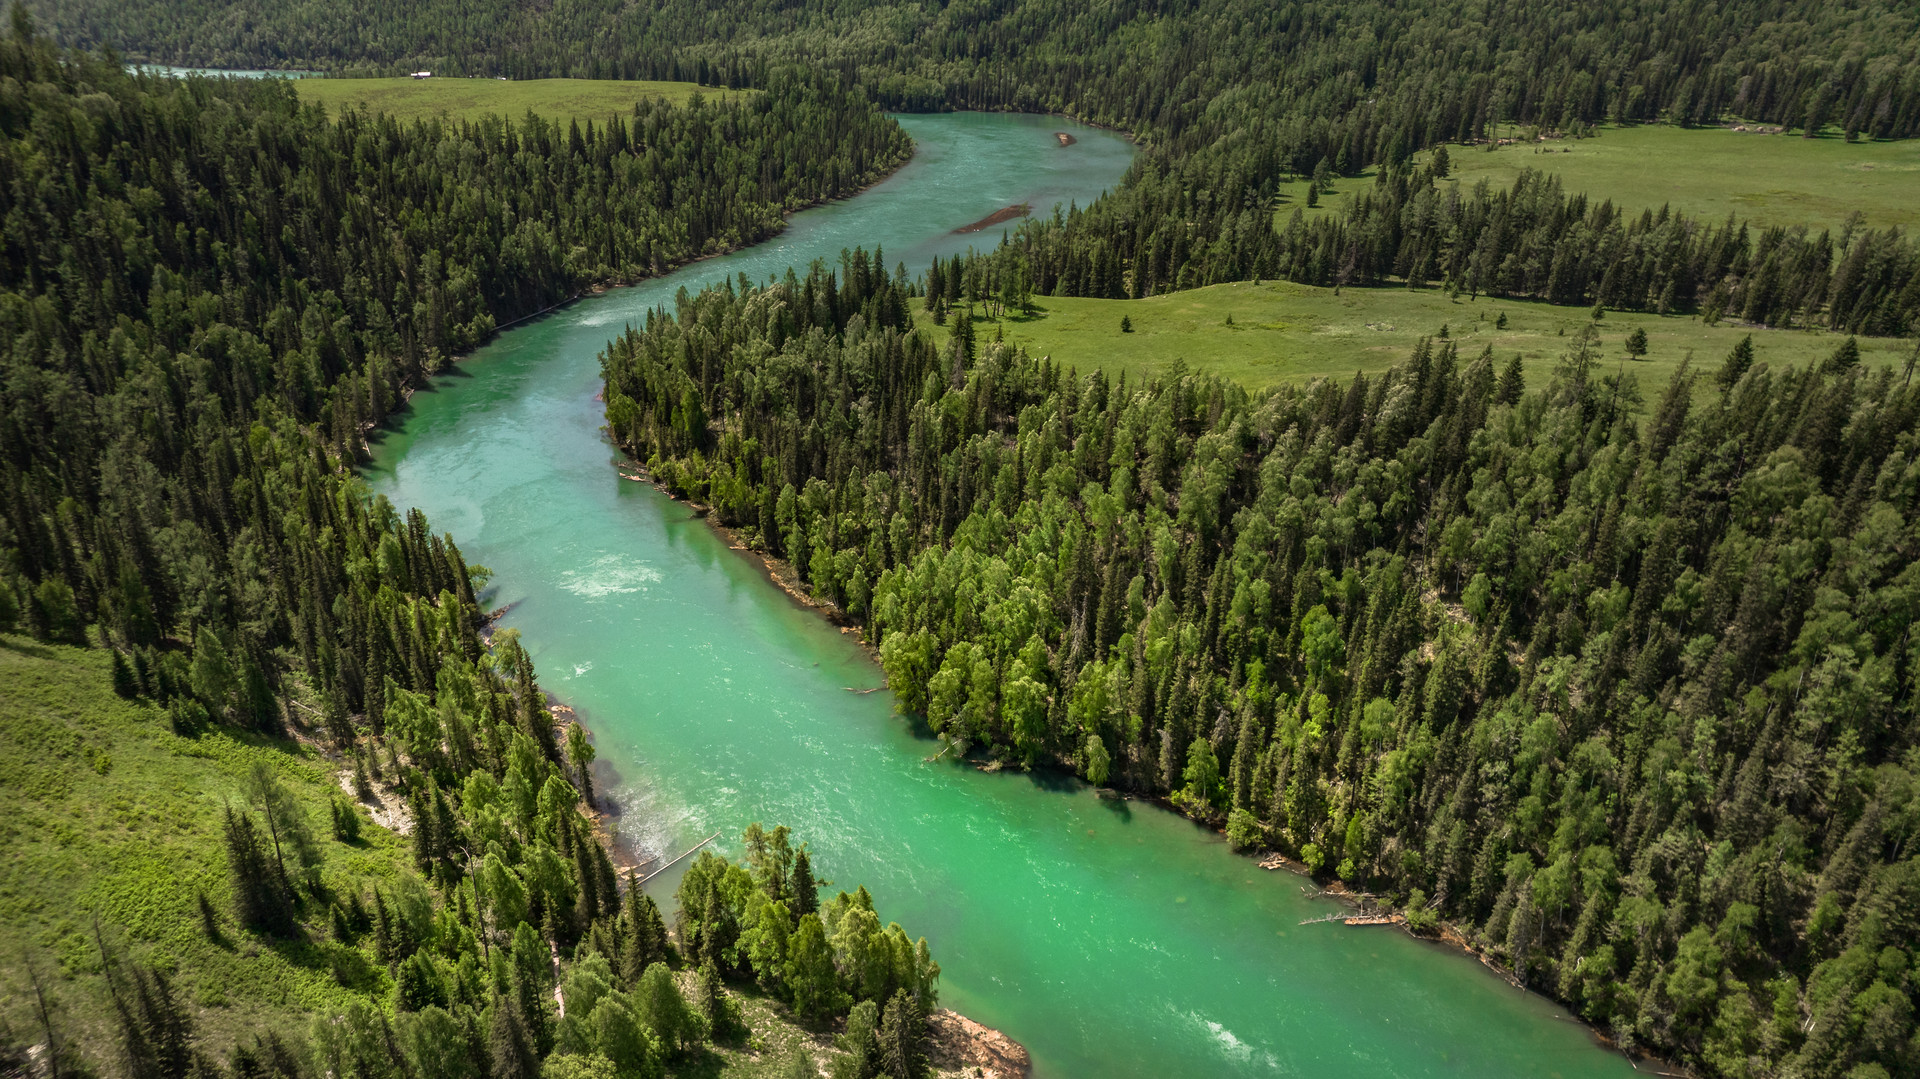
{"x": 810, "y": 974}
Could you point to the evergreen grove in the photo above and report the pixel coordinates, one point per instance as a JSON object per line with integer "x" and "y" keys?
{"x": 1622, "y": 688}
{"x": 210, "y": 294}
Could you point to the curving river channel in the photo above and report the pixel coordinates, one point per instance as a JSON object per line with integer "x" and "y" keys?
{"x": 1111, "y": 938}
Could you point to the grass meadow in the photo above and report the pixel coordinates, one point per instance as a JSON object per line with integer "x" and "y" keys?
{"x": 1286, "y": 333}
{"x": 1767, "y": 180}
{"x": 107, "y": 814}
{"x": 1281, "y": 332}
{"x": 470, "y": 99}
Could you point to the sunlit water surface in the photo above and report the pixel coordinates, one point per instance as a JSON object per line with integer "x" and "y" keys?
{"x": 1111, "y": 938}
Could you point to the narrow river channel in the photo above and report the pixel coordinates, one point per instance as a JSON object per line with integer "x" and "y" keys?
{"x": 1111, "y": 938}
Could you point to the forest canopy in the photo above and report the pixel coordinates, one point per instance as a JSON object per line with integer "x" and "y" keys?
{"x": 210, "y": 296}
{"x": 1623, "y": 687}
{"x": 1618, "y": 680}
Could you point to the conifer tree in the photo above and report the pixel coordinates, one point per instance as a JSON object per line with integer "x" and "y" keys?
{"x": 901, "y": 1034}
{"x": 260, "y": 896}
{"x": 811, "y": 976}
{"x": 806, "y": 891}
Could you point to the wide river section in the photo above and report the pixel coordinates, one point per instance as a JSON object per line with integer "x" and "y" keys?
{"x": 1110, "y": 937}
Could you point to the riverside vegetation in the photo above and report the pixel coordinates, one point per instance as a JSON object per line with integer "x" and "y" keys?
{"x": 1620, "y": 686}
{"x": 212, "y": 293}
{"x": 1623, "y": 688}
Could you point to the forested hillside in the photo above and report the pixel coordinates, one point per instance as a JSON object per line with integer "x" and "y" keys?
{"x": 1623, "y": 688}
{"x": 1529, "y": 241}
{"x": 208, "y": 295}
{"x": 1233, "y": 97}
{"x": 1372, "y": 79}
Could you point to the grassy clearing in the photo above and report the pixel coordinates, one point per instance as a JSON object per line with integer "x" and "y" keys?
{"x": 1292, "y": 197}
{"x": 1768, "y": 180}
{"x": 1288, "y": 333}
{"x": 1708, "y": 173}
{"x": 469, "y": 99}
{"x": 767, "y": 1052}
{"x": 107, "y": 814}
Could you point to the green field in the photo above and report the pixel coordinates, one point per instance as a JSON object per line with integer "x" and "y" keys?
{"x": 1712, "y": 172}
{"x": 106, "y": 813}
{"x": 1284, "y": 332}
{"x": 470, "y": 99}
{"x": 1704, "y": 172}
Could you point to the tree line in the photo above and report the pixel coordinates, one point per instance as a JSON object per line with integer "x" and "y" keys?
{"x": 1170, "y": 229}
{"x": 211, "y": 294}
{"x": 1623, "y": 688}
{"x": 1327, "y": 78}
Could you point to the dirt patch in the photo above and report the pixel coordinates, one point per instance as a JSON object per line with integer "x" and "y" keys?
{"x": 388, "y": 809}
{"x": 960, "y": 1046}
{"x": 1005, "y": 213}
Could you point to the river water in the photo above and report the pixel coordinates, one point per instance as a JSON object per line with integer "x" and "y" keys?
{"x": 1111, "y": 938}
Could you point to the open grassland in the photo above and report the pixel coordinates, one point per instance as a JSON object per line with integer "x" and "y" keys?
{"x": 1292, "y": 196}
{"x": 1709, "y": 173}
{"x": 469, "y": 99}
{"x": 1283, "y": 332}
{"x": 107, "y": 814}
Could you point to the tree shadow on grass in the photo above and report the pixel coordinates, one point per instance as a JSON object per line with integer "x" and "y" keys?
{"x": 704, "y": 1064}
{"x": 350, "y": 967}
{"x": 26, "y": 646}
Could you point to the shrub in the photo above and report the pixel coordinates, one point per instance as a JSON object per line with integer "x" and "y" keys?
{"x": 1244, "y": 830}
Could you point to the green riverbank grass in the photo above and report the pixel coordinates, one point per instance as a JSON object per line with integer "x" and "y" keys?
{"x": 1768, "y": 180}
{"x": 1287, "y": 333}
{"x": 470, "y": 99}
{"x": 107, "y": 814}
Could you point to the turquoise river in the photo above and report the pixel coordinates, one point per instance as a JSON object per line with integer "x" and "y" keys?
{"x": 1110, "y": 937}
